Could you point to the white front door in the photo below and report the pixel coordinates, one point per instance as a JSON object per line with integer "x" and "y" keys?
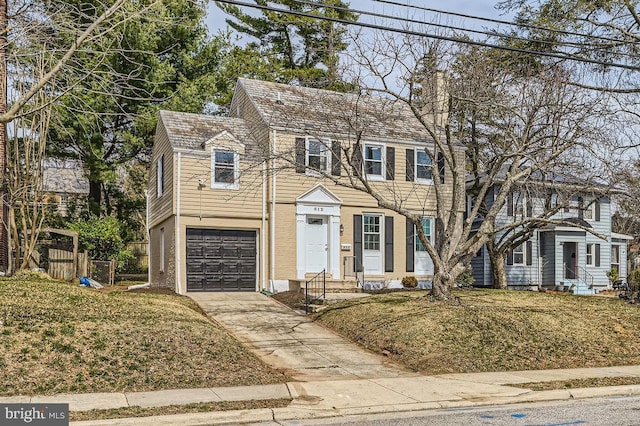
{"x": 316, "y": 231}
{"x": 372, "y": 244}
{"x": 423, "y": 262}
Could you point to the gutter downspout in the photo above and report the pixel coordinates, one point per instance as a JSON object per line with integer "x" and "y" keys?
{"x": 263, "y": 228}
{"x": 148, "y": 232}
{"x": 272, "y": 215}
{"x": 177, "y": 238}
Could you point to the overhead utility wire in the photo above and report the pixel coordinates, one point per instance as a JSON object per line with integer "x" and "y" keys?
{"x": 499, "y": 21}
{"x": 450, "y": 27}
{"x": 433, "y": 36}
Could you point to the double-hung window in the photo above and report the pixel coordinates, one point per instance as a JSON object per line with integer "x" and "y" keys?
{"x": 224, "y": 169}
{"x": 590, "y": 254}
{"x": 518, "y": 255}
{"x": 160, "y": 176}
{"x": 615, "y": 257}
{"x": 423, "y": 166}
{"x": 374, "y": 161}
{"x": 371, "y": 232}
{"x": 426, "y": 228}
{"x": 318, "y": 155}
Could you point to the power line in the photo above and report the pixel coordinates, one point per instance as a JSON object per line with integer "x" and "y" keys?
{"x": 432, "y": 36}
{"x": 500, "y": 21}
{"x": 450, "y": 27}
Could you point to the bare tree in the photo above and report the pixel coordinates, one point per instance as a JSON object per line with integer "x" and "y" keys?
{"x": 484, "y": 127}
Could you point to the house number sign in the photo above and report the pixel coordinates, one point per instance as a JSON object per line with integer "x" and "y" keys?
{"x": 318, "y": 209}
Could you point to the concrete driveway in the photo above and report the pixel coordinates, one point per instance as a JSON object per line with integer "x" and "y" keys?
{"x": 289, "y": 341}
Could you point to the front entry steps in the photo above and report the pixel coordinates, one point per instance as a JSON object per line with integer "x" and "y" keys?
{"x": 331, "y": 286}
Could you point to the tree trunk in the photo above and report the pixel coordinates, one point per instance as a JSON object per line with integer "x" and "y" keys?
{"x": 441, "y": 286}
{"x": 498, "y": 268}
{"x": 5, "y": 249}
{"x": 95, "y": 197}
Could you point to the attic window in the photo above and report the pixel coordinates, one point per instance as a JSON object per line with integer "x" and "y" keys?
{"x": 224, "y": 169}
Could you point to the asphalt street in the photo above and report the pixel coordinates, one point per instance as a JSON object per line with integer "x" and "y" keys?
{"x": 618, "y": 411}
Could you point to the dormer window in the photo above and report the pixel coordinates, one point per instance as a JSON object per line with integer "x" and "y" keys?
{"x": 224, "y": 169}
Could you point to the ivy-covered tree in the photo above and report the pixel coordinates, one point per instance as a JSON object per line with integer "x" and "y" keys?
{"x": 107, "y": 120}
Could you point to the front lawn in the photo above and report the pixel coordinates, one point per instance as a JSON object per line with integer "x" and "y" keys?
{"x": 491, "y": 330}
{"x": 57, "y": 337}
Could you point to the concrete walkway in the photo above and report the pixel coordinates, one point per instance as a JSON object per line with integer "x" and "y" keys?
{"x": 289, "y": 341}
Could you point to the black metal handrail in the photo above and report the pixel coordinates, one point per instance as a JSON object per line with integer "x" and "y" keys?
{"x": 314, "y": 290}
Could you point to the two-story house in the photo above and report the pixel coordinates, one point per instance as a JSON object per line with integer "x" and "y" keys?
{"x": 572, "y": 248}
{"x": 266, "y": 195}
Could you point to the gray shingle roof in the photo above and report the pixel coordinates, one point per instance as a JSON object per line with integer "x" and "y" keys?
{"x": 65, "y": 180}
{"x": 324, "y": 112}
{"x": 189, "y": 131}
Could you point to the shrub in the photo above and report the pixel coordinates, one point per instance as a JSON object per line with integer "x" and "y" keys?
{"x": 465, "y": 279}
{"x": 409, "y": 282}
{"x": 101, "y": 237}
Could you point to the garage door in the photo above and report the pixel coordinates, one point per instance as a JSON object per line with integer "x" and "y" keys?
{"x": 221, "y": 260}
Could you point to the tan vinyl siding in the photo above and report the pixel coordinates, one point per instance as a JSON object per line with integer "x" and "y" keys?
{"x": 161, "y": 207}
{"x": 204, "y": 201}
{"x": 415, "y": 196}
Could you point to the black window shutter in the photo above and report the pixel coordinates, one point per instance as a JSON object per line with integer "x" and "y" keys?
{"x": 335, "y": 158}
{"x": 529, "y": 207}
{"x": 597, "y": 254}
{"x": 300, "y": 155}
{"x": 510, "y": 258}
{"x": 356, "y": 160}
{"x": 410, "y": 165}
{"x": 597, "y": 207}
{"x": 388, "y": 244}
{"x": 391, "y": 163}
{"x": 410, "y": 246}
{"x": 441, "y": 166}
{"x": 357, "y": 241}
{"x": 529, "y": 253}
{"x": 510, "y": 204}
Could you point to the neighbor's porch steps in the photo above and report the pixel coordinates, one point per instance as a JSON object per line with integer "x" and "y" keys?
{"x": 331, "y": 285}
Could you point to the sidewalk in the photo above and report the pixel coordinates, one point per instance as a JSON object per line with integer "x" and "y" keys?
{"x": 331, "y": 398}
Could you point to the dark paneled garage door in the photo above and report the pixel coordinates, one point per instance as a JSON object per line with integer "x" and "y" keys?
{"x": 221, "y": 260}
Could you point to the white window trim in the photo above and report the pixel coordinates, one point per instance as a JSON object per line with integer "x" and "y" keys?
{"x": 415, "y": 168}
{"x": 160, "y": 176}
{"x": 236, "y": 170}
{"x": 519, "y": 201}
{"x": 590, "y": 207}
{"x": 415, "y": 233}
{"x": 524, "y": 255}
{"x": 383, "y": 159}
{"x": 328, "y": 155}
{"x": 590, "y": 257}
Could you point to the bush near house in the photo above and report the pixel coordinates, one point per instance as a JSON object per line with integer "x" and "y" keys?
{"x": 57, "y": 337}
{"x": 102, "y": 238}
{"x": 491, "y": 330}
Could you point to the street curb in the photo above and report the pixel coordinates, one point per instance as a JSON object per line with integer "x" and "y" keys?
{"x": 301, "y": 412}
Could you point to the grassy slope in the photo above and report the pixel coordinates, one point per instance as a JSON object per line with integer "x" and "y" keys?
{"x": 492, "y": 330}
{"x": 57, "y": 337}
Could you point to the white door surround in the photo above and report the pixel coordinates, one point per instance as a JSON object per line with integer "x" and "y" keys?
{"x": 317, "y": 225}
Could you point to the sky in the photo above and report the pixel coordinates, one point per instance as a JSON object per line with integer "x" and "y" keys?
{"x": 481, "y": 8}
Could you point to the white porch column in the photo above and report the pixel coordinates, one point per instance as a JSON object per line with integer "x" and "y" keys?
{"x": 301, "y": 221}
{"x": 334, "y": 250}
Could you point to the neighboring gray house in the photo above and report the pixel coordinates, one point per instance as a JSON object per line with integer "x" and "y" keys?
{"x": 64, "y": 180}
{"x": 563, "y": 256}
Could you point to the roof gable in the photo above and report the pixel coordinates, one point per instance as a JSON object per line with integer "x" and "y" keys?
{"x": 319, "y": 194}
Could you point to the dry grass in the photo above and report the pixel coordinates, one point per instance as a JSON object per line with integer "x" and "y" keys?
{"x": 57, "y": 337}
{"x": 594, "y": 382}
{"x": 117, "y": 413}
{"x": 491, "y": 330}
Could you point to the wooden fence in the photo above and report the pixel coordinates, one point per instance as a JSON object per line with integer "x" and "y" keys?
{"x": 140, "y": 250}
{"x": 61, "y": 264}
